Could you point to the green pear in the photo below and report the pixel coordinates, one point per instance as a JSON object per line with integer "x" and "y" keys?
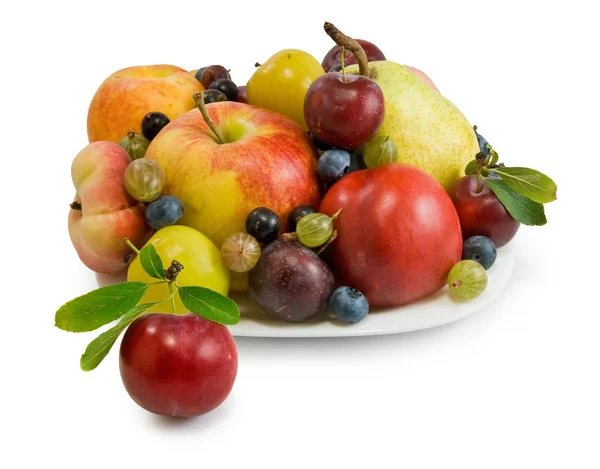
{"x": 429, "y": 131}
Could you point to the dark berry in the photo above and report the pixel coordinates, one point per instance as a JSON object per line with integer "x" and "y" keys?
{"x": 348, "y": 304}
{"x": 199, "y": 73}
{"x": 332, "y": 165}
{"x": 213, "y": 96}
{"x": 263, "y": 224}
{"x": 357, "y": 161}
{"x": 480, "y": 249}
{"x": 225, "y": 86}
{"x": 212, "y": 73}
{"x": 320, "y": 145}
{"x": 164, "y": 211}
{"x": 297, "y": 214}
{"x": 153, "y": 123}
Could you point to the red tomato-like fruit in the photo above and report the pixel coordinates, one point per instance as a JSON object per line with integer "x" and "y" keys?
{"x": 178, "y": 365}
{"x": 398, "y": 233}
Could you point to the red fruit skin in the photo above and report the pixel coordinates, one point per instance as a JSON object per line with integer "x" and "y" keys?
{"x": 344, "y": 114}
{"x": 481, "y": 213}
{"x": 398, "y": 234}
{"x": 178, "y": 365}
{"x": 242, "y": 95}
{"x": 333, "y": 57}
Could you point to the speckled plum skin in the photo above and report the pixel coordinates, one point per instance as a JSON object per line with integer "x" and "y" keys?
{"x": 290, "y": 281}
{"x": 398, "y": 234}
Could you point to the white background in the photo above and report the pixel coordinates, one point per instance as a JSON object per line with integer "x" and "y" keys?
{"x": 515, "y": 385}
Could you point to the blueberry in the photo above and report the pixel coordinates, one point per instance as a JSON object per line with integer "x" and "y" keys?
{"x": 348, "y": 304}
{"x": 480, "y": 249}
{"x": 332, "y": 165}
{"x": 225, "y": 86}
{"x": 213, "y": 96}
{"x": 152, "y": 123}
{"x": 297, "y": 214}
{"x": 482, "y": 144}
{"x": 164, "y": 211}
{"x": 263, "y": 224}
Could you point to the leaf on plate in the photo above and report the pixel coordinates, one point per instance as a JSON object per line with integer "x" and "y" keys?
{"x": 522, "y": 209}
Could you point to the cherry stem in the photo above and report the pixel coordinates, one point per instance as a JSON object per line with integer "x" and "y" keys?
{"x": 348, "y": 43}
{"x": 172, "y": 291}
{"x": 343, "y": 51}
{"x": 76, "y": 205}
{"x": 334, "y": 234}
{"x": 130, "y": 244}
{"x": 199, "y": 99}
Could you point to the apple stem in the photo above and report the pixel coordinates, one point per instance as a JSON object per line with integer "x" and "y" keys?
{"x": 199, "y": 99}
{"x": 343, "y": 51}
{"x": 348, "y": 43}
{"x": 76, "y": 206}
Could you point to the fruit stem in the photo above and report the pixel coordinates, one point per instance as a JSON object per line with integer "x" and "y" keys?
{"x": 76, "y": 205}
{"x": 130, "y": 133}
{"x": 173, "y": 271}
{"x": 343, "y": 51}
{"x": 130, "y": 244}
{"x": 172, "y": 291}
{"x": 335, "y": 215}
{"x": 334, "y": 234}
{"x": 257, "y": 65}
{"x": 199, "y": 99}
{"x": 347, "y": 42}
{"x": 288, "y": 236}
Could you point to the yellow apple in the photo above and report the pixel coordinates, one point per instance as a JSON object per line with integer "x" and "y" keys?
{"x": 126, "y": 96}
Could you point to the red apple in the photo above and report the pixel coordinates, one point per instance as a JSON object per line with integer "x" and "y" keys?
{"x": 398, "y": 233}
{"x": 481, "y": 213}
{"x": 265, "y": 160}
{"x": 334, "y": 56}
{"x": 178, "y": 365}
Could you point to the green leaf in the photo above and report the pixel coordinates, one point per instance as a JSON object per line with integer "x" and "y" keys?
{"x": 99, "y": 307}
{"x": 210, "y": 305}
{"x": 101, "y": 345}
{"x": 151, "y": 262}
{"x": 521, "y": 208}
{"x": 530, "y": 183}
{"x": 493, "y": 154}
{"x": 471, "y": 168}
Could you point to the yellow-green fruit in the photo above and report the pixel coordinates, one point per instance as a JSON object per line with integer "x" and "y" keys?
{"x": 280, "y": 84}
{"x": 201, "y": 260}
{"x": 429, "y": 131}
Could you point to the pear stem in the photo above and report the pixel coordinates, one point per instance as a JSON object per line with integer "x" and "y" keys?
{"x": 348, "y": 43}
{"x": 199, "y": 99}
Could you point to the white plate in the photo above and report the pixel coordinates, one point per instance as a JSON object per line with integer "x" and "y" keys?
{"x": 433, "y": 311}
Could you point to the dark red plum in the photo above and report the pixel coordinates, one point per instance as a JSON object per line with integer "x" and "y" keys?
{"x": 290, "y": 281}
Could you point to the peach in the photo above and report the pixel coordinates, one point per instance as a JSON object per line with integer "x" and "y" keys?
{"x": 128, "y": 95}
{"x": 103, "y": 214}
